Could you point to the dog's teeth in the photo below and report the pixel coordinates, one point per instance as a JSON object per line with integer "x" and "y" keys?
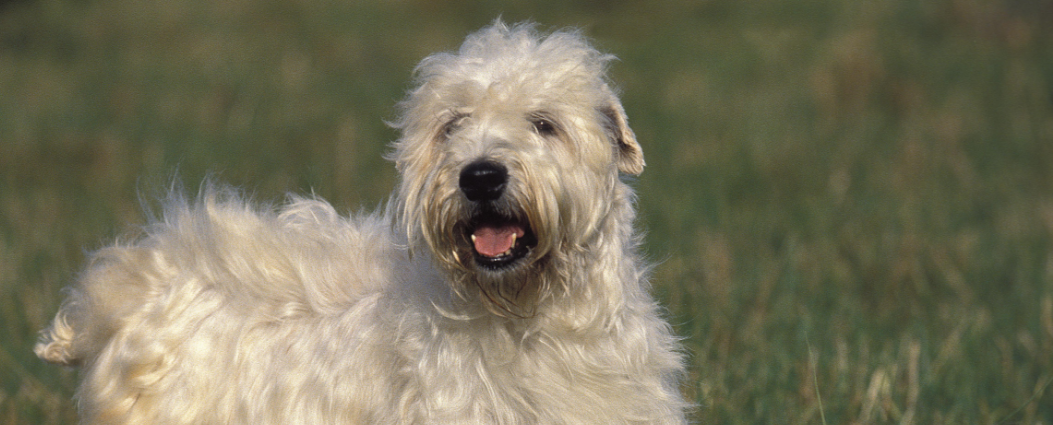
{"x": 513, "y": 241}
{"x": 473, "y": 237}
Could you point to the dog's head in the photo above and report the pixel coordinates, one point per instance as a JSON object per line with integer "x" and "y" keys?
{"x": 510, "y": 155}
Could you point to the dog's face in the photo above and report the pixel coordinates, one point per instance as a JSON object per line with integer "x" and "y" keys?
{"x": 510, "y": 156}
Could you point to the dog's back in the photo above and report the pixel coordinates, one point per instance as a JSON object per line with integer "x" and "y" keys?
{"x": 211, "y": 300}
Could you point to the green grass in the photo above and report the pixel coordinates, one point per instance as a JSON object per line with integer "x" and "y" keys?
{"x": 851, "y": 201}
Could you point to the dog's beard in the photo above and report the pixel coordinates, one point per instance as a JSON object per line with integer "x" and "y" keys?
{"x": 514, "y": 293}
{"x": 496, "y": 258}
{"x": 493, "y": 256}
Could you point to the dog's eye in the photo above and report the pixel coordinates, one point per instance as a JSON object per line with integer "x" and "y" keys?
{"x": 448, "y": 129}
{"x": 544, "y": 127}
{"x": 452, "y": 125}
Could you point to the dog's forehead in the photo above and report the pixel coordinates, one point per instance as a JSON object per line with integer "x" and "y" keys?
{"x": 525, "y": 93}
{"x": 515, "y": 72}
{"x": 516, "y": 88}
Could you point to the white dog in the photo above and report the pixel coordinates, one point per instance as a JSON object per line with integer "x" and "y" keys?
{"x": 502, "y": 285}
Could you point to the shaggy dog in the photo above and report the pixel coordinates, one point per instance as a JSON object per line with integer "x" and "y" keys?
{"x": 501, "y": 284}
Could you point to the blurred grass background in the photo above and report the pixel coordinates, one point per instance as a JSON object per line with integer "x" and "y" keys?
{"x": 851, "y": 201}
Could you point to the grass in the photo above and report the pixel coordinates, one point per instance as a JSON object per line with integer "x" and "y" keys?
{"x": 851, "y": 202}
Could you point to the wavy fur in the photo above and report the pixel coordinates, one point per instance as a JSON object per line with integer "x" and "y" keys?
{"x": 226, "y": 312}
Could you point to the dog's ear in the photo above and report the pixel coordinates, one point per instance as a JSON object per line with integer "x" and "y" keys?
{"x": 630, "y": 156}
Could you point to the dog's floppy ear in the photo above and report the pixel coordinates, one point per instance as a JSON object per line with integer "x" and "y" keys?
{"x": 630, "y": 156}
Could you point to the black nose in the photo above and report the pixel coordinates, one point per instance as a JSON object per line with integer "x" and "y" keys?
{"x": 483, "y": 181}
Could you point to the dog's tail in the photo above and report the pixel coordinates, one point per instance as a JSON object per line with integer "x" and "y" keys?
{"x": 107, "y": 296}
{"x": 56, "y": 343}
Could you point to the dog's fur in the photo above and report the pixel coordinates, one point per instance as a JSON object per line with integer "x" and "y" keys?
{"x": 224, "y": 312}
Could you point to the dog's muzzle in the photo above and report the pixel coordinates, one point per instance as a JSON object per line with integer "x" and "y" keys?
{"x": 498, "y": 237}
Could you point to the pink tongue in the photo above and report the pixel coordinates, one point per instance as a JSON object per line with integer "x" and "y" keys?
{"x": 492, "y": 241}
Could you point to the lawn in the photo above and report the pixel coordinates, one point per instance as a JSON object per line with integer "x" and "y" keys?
{"x": 850, "y": 203}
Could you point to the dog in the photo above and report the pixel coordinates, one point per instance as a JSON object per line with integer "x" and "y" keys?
{"x": 501, "y": 284}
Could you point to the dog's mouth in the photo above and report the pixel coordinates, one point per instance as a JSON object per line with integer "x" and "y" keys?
{"x": 499, "y": 241}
